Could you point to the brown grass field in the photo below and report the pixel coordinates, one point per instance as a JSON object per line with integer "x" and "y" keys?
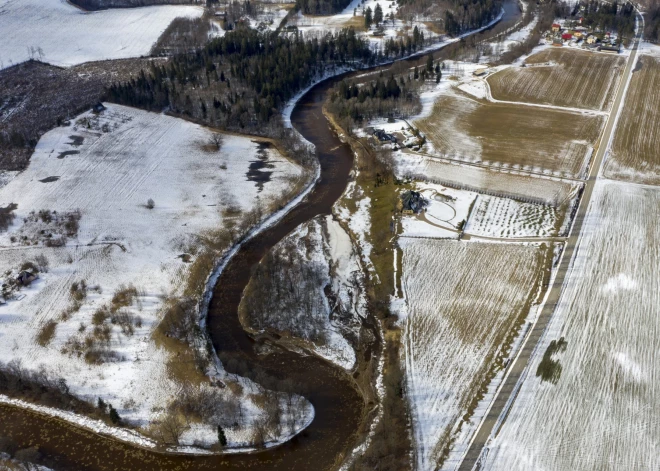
{"x": 636, "y": 147}
{"x": 530, "y": 137}
{"x": 577, "y": 79}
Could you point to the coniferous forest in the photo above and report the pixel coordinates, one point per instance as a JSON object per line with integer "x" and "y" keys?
{"x": 241, "y": 80}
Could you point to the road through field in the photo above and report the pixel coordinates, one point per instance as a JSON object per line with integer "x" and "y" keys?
{"x": 509, "y": 388}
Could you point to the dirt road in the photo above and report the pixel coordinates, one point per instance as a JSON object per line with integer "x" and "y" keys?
{"x": 518, "y": 368}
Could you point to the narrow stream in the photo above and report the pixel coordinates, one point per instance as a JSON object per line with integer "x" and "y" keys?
{"x": 339, "y": 406}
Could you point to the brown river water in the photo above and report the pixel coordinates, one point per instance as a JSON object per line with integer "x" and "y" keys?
{"x": 338, "y": 405}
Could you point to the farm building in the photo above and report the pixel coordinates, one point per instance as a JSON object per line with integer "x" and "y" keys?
{"x": 97, "y": 108}
{"x": 567, "y": 36}
{"x": 412, "y": 202}
{"x": 591, "y": 39}
{"x": 556, "y": 27}
{"x": 577, "y": 35}
{"x": 382, "y": 136}
{"x": 25, "y": 278}
{"x": 480, "y": 72}
{"x": 610, "y": 48}
{"x": 557, "y": 42}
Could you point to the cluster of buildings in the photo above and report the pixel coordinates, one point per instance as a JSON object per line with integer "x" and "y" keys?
{"x": 580, "y": 36}
{"x": 406, "y": 137}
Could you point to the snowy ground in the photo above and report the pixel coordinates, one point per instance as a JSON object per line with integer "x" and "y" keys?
{"x": 603, "y": 411}
{"x": 504, "y": 217}
{"x": 332, "y": 301}
{"x": 450, "y": 210}
{"x": 68, "y": 36}
{"x": 107, "y": 168}
{"x": 353, "y": 15}
{"x": 462, "y": 300}
{"x": 506, "y": 182}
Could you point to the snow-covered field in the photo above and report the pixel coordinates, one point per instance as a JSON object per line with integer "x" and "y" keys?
{"x": 504, "y": 217}
{"x": 59, "y": 33}
{"x": 449, "y": 210}
{"x": 604, "y": 410}
{"x": 105, "y": 168}
{"x": 501, "y": 182}
{"x": 463, "y": 302}
{"x": 317, "y": 292}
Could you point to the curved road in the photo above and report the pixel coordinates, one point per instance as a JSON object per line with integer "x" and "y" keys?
{"x": 509, "y": 388}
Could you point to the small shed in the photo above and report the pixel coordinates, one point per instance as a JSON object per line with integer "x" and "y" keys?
{"x": 480, "y": 72}
{"x": 591, "y": 39}
{"x": 610, "y": 48}
{"x": 25, "y": 278}
{"x": 556, "y": 27}
{"x": 557, "y": 42}
{"x": 577, "y": 35}
{"x": 97, "y": 108}
{"x": 567, "y": 36}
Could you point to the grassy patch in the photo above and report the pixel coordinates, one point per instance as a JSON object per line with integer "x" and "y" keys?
{"x": 46, "y": 333}
{"x": 549, "y": 369}
{"x": 514, "y": 135}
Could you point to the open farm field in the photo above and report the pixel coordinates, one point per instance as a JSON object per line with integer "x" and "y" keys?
{"x": 497, "y": 183}
{"x": 465, "y": 303}
{"x": 561, "y": 77}
{"x": 599, "y": 405}
{"x": 635, "y": 154}
{"x": 123, "y": 214}
{"x": 505, "y": 217}
{"x": 35, "y": 29}
{"x": 543, "y": 140}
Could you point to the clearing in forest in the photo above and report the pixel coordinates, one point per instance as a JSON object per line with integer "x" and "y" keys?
{"x": 465, "y": 304}
{"x": 561, "y": 77}
{"x": 600, "y": 405}
{"x": 540, "y": 140}
{"x": 635, "y": 155}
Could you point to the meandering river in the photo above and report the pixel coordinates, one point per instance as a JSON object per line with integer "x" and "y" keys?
{"x": 338, "y": 404}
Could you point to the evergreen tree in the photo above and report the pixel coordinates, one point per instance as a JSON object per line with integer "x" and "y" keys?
{"x": 429, "y": 63}
{"x": 222, "y": 438}
{"x": 368, "y": 19}
{"x": 114, "y": 415}
{"x": 378, "y": 15}
{"x": 101, "y": 405}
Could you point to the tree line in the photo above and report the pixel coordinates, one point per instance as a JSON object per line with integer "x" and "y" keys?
{"x": 615, "y": 16}
{"x": 652, "y": 22}
{"x": 465, "y": 15}
{"x": 244, "y": 77}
